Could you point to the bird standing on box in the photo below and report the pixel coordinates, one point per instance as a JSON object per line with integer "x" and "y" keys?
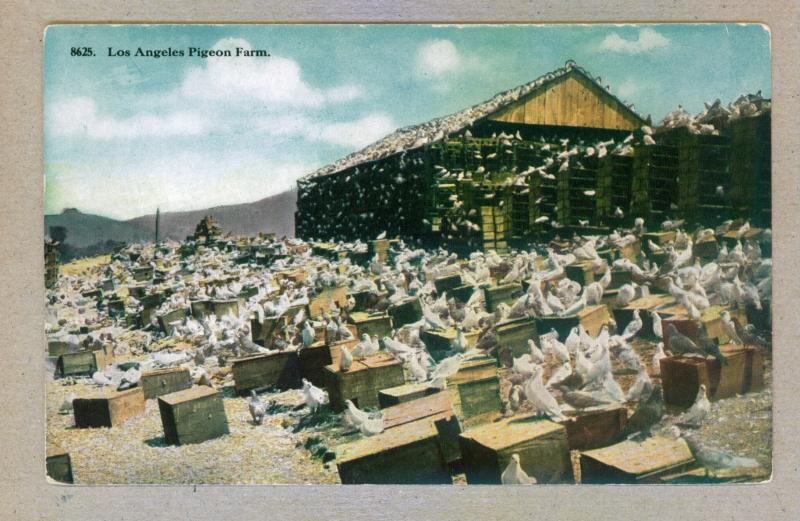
{"x": 729, "y": 328}
{"x": 540, "y": 398}
{"x": 514, "y": 475}
{"x": 346, "y": 360}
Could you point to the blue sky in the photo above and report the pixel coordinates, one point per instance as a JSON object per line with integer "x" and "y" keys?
{"x": 124, "y": 135}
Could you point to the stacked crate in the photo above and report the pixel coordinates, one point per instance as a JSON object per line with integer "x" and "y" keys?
{"x": 655, "y": 185}
{"x": 493, "y": 226}
{"x": 573, "y": 203}
{"x": 751, "y": 168}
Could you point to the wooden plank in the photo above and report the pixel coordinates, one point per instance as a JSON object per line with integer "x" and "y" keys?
{"x": 635, "y": 462}
{"x": 403, "y": 393}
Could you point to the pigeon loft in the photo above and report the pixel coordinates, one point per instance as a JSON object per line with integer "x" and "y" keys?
{"x": 405, "y": 312}
{"x": 441, "y": 341}
{"x": 321, "y": 304}
{"x": 592, "y": 318}
{"x": 362, "y": 382}
{"x": 376, "y": 325}
{"x": 166, "y": 320}
{"x": 436, "y": 408}
{"x": 475, "y": 391}
{"x": 513, "y": 335}
{"x": 593, "y": 428}
{"x": 200, "y": 309}
{"x": 541, "y": 444}
{"x": 143, "y": 274}
{"x": 505, "y": 294}
{"x": 108, "y": 409}
{"x": 59, "y": 465}
{"x": 165, "y": 381}
{"x": 81, "y": 363}
{"x": 633, "y": 462}
{"x": 447, "y": 283}
{"x": 312, "y": 361}
{"x": 193, "y": 415}
{"x": 681, "y": 376}
{"x": 225, "y": 307}
{"x": 709, "y": 317}
{"x": 623, "y": 316}
{"x": 407, "y": 454}
{"x": 403, "y": 393}
{"x": 280, "y": 369}
{"x": 584, "y": 272}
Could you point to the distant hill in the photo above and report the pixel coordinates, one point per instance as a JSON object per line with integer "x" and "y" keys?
{"x": 271, "y": 214}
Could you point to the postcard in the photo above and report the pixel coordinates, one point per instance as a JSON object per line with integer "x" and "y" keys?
{"x": 472, "y": 254}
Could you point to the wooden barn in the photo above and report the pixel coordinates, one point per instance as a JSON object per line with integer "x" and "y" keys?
{"x": 558, "y": 152}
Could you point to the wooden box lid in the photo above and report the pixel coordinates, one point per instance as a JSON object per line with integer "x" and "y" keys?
{"x": 396, "y": 437}
{"x": 416, "y": 409}
{"x": 187, "y": 395}
{"x": 637, "y": 458}
{"x": 509, "y": 432}
{"x": 109, "y": 394}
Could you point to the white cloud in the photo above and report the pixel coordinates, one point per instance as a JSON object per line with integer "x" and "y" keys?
{"x": 352, "y": 134}
{"x": 344, "y": 93}
{"x": 628, "y": 88}
{"x": 647, "y": 40}
{"x": 437, "y": 58}
{"x": 79, "y": 117}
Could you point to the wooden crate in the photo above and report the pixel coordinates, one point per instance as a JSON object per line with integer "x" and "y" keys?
{"x": 376, "y": 325}
{"x": 225, "y": 307}
{"x": 440, "y": 341}
{"x": 475, "y": 391}
{"x": 461, "y": 293}
{"x": 447, "y": 283}
{"x": 677, "y": 316}
{"x": 593, "y": 428}
{"x": 583, "y": 272}
{"x": 681, "y": 376}
{"x": 623, "y": 316}
{"x": 165, "y": 381}
{"x": 541, "y": 444}
{"x": 364, "y": 300}
{"x": 707, "y": 249}
{"x": 165, "y": 321}
{"x": 592, "y": 318}
{"x": 192, "y": 415}
{"x": 658, "y": 238}
{"x": 312, "y": 361}
{"x": 280, "y": 370}
{"x": 363, "y": 381}
{"x": 321, "y": 304}
{"x": 59, "y": 465}
{"x": 57, "y": 347}
{"x": 263, "y": 333}
{"x": 379, "y": 247}
{"x": 142, "y": 274}
{"x": 108, "y": 408}
{"x": 403, "y": 393}
{"x": 81, "y": 363}
{"x": 506, "y": 293}
{"x": 408, "y": 454}
{"x": 513, "y": 335}
{"x": 201, "y": 308}
{"x": 405, "y": 312}
{"x": 636, "y": 462}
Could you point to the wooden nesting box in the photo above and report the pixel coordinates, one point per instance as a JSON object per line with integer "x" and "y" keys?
{"x": 461, "y": 293}
{"x": 707, "y": 249}
{"x": 263, "y": 333}
{"x": 658, "y": 238}
{"x": 440, "y": 341}
{"x": 142, "y": 274}
{"x": 96, "y": 294}
{"x": 363, "y": 381}
{"x": 475, "y": 390}
{"x": 321, "y": 304}
{"x": 165, "y": 381}
{"x": 376, "y": 325}
{"x": 403, "y": 393}
{"x": 435, "y": 407}
{"x": 645, "y": 305}
{"x": 166, "y": 320}
{"x": 57, "y": 347}
{"x": 312, "y": 361}
{"x": 593, "y": 428}
{"x": 364, "y": 300}
{"x": 280, "y": 369}
{"x": 681, "y": 376}
{"x": 584, "y": 272}
{"x": 619, "y": 278}
{"x": 592, "y": 318}
{"x": 349, "y": 343}
{"x": 507, "y": 294}
{"x": 636, "y": 462}
{"x": 59, "y": 465}
{"x": 116, "y": 307}
{"x": 81, "y": 363}
{"x": 677, "y": 316}
{"x": 192, "y": 415}
{"x": 405, "y": 312}
{"x": 109, "y": 408}
{"x": 408, "y": 454}
{"x": 225, "y": 307}
{"x": 541, "y": 444}
{"x": 513, "y": 335}
{"x": 201, "y": 308}
{"x": 447, "y": 283}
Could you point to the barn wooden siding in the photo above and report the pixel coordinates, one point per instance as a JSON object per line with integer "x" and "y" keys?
{"x": 572, "y": 100}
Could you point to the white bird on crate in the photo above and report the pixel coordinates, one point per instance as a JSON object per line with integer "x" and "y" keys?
{"x": 698, "y": 411}
{"x": 540, "y": 398}
{"x": 367, "y": 347}
{"x": 314, "y": 396}
{"x": 101, "y": 379}
{"x": 346, "y": 360}
{"x": 309, "y": 335}
{"x": 729, "y": 328}
{"x": 66, "y": 405}
{"x": 446, "y": 368}
{"x": 258, "y": 409}
{"x": 371, "y": 426}
{"x": 514, "y": 475}
{"x": 626, "y": 293}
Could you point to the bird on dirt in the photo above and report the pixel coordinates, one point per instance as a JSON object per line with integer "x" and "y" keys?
{"x": 371, "y": 426}
{"x": 514, "y": 400}
{"x": 647, "y": 414}
{"x": 353, "y": 415}
{"x": 314, "y": 396}
{"x": 633, "y": 327}
{"x": 258, "y": 409}
{"x": 714, "y": 459}
{"x": 66, "y": 405}
{"x": 641, "y": 388}
{"x": 514, "y": 475}
{"x": 697, "y": 412}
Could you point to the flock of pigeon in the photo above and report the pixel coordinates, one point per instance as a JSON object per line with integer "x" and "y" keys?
{"x": 558, "y": 374}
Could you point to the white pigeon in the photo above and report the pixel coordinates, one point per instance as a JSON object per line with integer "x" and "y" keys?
{"x": 514, "y": 475}
{"x": 353, "y": 415}
{"x": 540, "y": 398}
{"x": 258, "y": 409}
{"x": 537, "y": 356}
{"x": 658, "y": 356}
{"x": 698, "y": 411}
{"x": 657, "y": 329}
{"x": 729, "y": 328}
{"x": 314, "y": 396}
{"x": 415, "y": 368}
{"x": 633, "y": 327}
{"x": 625, "y": 294}
{"x": 641, "y": 388}
{"x": 371, "y": 426}
{"x": 523, "y": 365}
{"x": 309, "y": 335}
{"x": 66, "y": 405}
{"x": 446, "y": 368}
{"x": 101, "y": 379}
{"x": 346, "y": 360}
{"x": 559, "y": 375}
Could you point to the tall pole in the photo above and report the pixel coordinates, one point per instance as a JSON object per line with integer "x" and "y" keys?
{"x": 158, "y": 217}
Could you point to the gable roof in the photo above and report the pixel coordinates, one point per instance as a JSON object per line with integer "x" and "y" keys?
{"x": 415, "y": 136}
